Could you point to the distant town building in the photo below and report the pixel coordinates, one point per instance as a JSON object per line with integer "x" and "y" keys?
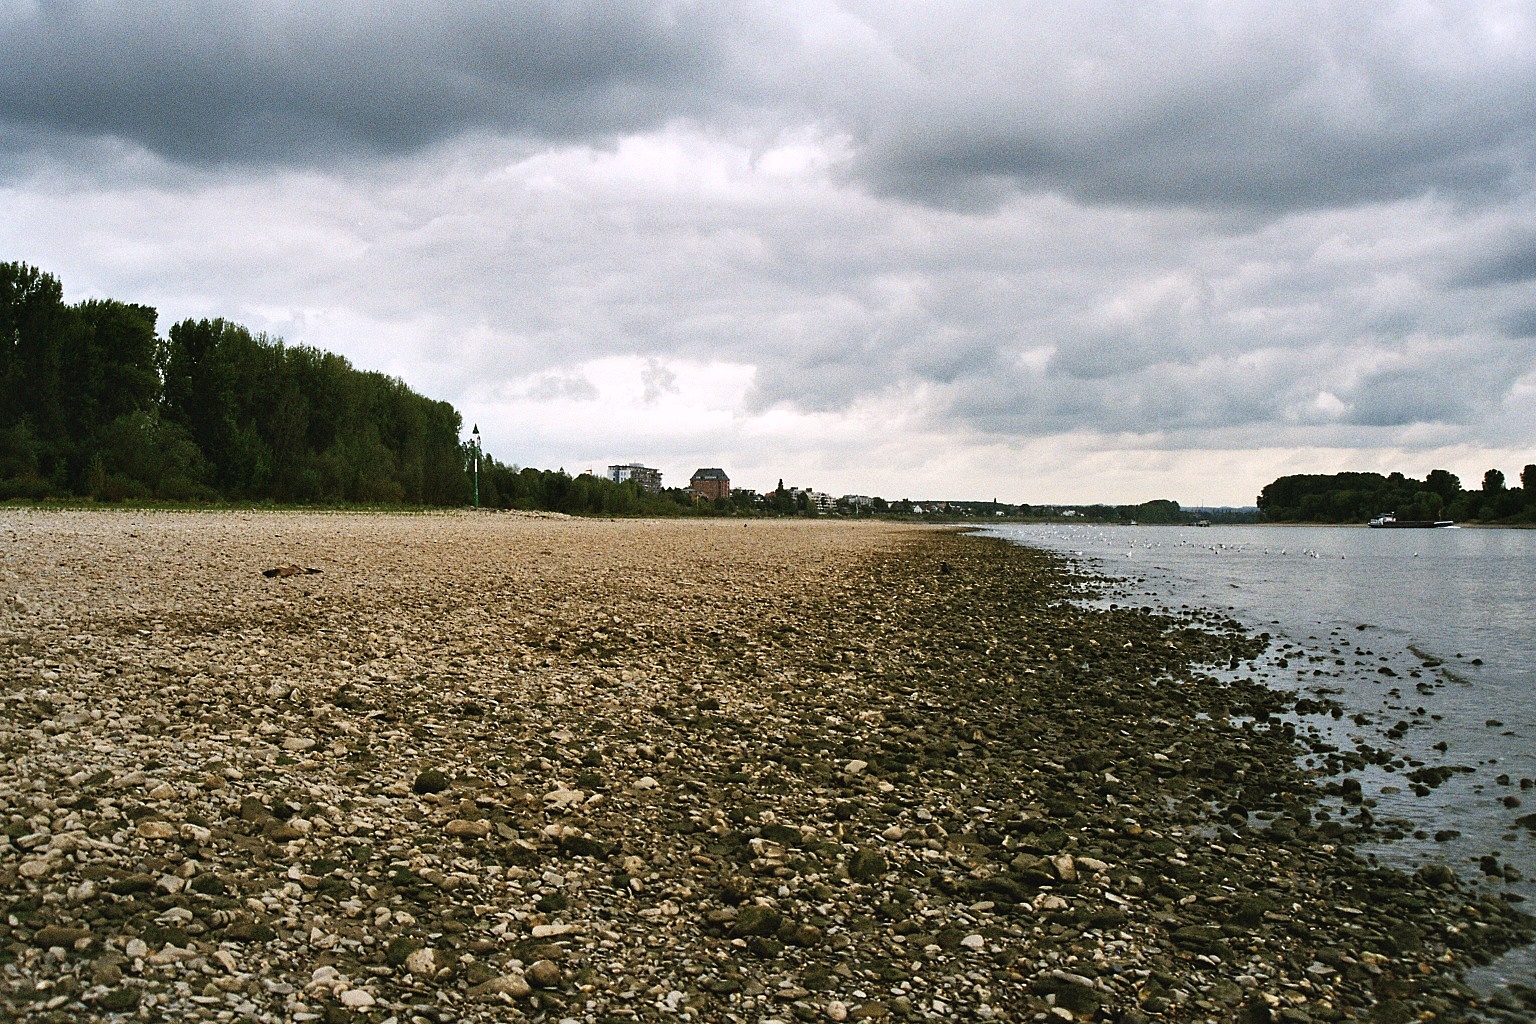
{"x": 710, "y": 485}
{"x": 858, "y": 500}
{"x": 645, "y": 476}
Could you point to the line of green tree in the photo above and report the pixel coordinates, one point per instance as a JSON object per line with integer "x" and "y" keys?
{"x": 1358, "y": 497}
{"x": 95, "y": 404}
{"x": 1159, "y": 511}
{"x": 554, "y": 490}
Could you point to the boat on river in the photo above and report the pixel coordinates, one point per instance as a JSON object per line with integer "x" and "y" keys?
{"x": 1389, "y": 521}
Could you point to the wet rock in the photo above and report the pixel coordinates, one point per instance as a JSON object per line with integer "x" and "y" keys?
{"x": 756, "y": 920}
{"x": 543, "y": 974}
{"x": 867, "y": 865}
{"x": 430, "y": 781}
{"x": 58, "y": 935}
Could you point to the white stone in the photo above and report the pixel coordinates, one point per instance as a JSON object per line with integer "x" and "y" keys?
{"x": 356, "y": 999}
{"x": 422, "y": 962}
{"x": 549, "y": 931}
{"x": 855, "y": 766}
{"x": 153, "y": 829}
{"x": 35, "y": 869}
{"x": 514, "y": 985}
{"x": 196, "y": 833}
{"x": 973, "y": 941}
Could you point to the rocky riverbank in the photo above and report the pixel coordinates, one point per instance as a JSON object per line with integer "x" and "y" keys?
{"x": 485, "y": 768}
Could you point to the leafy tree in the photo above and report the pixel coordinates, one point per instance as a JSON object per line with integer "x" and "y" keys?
{"x": 1447, "y": 485}
{"x": 1493, "y": 482}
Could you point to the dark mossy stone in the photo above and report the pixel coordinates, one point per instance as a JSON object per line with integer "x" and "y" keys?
{"x": 430, "y": 781}
{"x": 130, "y": 885}
{"x": 1080, "y": 999}
{"x": 1198, "y": 937}
{"x": 949, "y": 938}
{"x": 867, "y": 866}
{"x": 335, "y": 888}
{"x": 119, "y": 1000}
{"x": 1106, "y": 919}
{"x": 583, "y": 846}
{"x": 755, "y": 920}
{"x": 765, "y": 948}
{"x": 160, "y": 935}
{"x": 209, "y": 885}
{"x": 1392, "y": 1011}
{"x": 399, "y": 949}
{"x": 781, "y": 834}
{"x": 819, "y": 978}
{"x": 248, "y": 931}
{"x": 799, "y": 934}
{"x": 1436, "y": 874}
{"x": 1249, "y": 911}
{"x": 551, "y": 903}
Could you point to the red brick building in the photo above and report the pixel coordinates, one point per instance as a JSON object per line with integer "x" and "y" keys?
{"x": 710, "y": 485}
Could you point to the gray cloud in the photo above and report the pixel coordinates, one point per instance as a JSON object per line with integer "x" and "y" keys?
{"x": 1231, "y": 107}
{"x": 209, "y": 82}
{"x": 1507, "y": 260}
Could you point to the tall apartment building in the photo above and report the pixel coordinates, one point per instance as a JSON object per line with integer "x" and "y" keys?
{"x": 645, "y": 476}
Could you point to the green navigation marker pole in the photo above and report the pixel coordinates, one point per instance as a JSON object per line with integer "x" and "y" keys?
{"x": 476, "y": 435}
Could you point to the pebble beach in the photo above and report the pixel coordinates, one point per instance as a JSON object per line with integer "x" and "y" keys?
{"x": 462, "y": 767}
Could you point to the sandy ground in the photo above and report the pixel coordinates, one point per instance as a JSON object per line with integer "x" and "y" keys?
{"x": 489, "y": 767}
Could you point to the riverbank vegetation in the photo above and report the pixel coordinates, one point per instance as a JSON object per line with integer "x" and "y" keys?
{"x": 1357, "y": 497}
{"x": 95, "y": 404}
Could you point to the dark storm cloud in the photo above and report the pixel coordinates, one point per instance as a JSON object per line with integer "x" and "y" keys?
{"x": 1521, "y": 324}
{"x": 279, "y": 83}
{"x": 1225, "y": 106}
{"x": 1510, "y": 260}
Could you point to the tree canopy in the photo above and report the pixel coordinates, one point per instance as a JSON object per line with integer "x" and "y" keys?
{"x": 93, "y": 403}
{"x": 1357, "y": 497}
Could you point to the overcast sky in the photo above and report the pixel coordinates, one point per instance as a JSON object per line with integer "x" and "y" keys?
{"x": 1034, "y": 251}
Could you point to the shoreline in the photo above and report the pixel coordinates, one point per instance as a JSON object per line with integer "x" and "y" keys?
{"x": 485, "y": 769}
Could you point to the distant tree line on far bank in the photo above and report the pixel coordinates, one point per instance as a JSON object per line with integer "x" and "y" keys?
{"x": 1358, "y": 497}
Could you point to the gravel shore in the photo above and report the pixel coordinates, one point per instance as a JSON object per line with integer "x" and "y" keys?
{"x": 490, "y": 767}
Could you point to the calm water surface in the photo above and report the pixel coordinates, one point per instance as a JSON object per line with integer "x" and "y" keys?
{"x": 1345, "y": 603}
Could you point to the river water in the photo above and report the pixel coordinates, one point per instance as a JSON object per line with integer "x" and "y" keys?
{"x": 1426, "y": 637}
